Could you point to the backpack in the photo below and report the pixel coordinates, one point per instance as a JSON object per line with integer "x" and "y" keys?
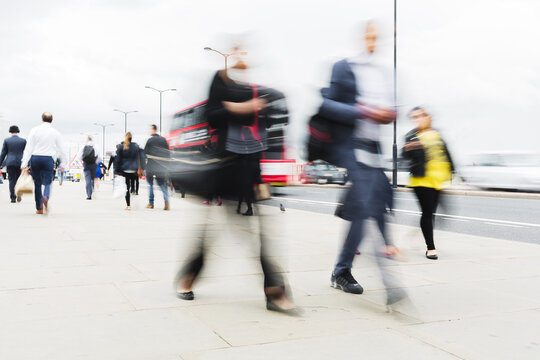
{"x": 89, "y": 155}
{"x": 320, "y": 138}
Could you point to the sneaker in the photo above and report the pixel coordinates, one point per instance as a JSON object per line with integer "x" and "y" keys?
{"x": 346, "y": 282}
{"x": 219, "y": 203}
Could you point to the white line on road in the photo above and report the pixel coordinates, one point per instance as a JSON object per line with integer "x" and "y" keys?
{"x": 453, "y": 217}
{"x": 509, "y": 225}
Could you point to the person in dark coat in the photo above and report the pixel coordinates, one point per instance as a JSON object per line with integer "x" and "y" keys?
{"x": 357, "y": 103}
{"x": 157, "y": 154}
{"x": 129, "y": 163}
{"x": 12, "y": 153}
{"x": 233, "y": 109}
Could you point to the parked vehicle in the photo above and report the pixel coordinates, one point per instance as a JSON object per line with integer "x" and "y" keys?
{"x": 320, "y": 172}
{"x": 504, "y": 171}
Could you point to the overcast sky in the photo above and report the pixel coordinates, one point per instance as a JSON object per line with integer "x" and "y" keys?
{"x": 474, "y": 63}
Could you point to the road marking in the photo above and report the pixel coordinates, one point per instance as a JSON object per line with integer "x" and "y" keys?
{"x": 509, "y": 225}
{"x": 413, "y": 212}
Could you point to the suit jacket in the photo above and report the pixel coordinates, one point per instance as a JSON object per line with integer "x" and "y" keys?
{"x": 157, "y": 146}
{"x": 339, "y": 106}
{"x": 12, "y": 151}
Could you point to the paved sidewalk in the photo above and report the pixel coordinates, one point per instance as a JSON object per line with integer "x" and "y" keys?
{"x": 92, "y": 281}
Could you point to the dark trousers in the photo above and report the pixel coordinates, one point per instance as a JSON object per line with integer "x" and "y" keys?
{"x": 273, "y": 275}
{"x": 130, "y": 182}
{"x": 42, "y": 169}
{"x": 249, "y": 170}
{"x": 13, "y": 172}
{"x": 368, "y": 197}
{"x": 429, "y": 200}
{"x": 89, "y": 173}
{"x": 135, "y": 185}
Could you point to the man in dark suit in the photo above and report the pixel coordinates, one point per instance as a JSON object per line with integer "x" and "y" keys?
{"x": 357, "y": 103}
{"x": 12, "y": 153}
{"x": 157, "y": 153}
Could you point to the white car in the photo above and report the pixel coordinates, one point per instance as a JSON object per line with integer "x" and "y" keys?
{"x": 506, "y": 171}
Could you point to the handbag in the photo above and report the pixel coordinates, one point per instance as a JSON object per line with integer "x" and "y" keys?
{"x": 320, "y": 138}
{"x": 25, "y": 183}
{"x": 119, "y": 187}
{"x": 262, "y": 191}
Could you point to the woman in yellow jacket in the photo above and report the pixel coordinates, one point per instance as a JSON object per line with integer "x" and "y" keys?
{"x": 431, "y": 169}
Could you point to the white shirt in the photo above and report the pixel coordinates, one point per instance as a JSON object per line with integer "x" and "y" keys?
{"x": 44, "y": 140}
{"x": 96, "y": 152}
{"x": 373, "y": 90}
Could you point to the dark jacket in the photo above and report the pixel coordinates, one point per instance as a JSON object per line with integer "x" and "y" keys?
{"x": 339, "y": 106}
{"x": 417, "y": 157}
{"x": 156, "y": 147}
{"x": 12, "y": 151}
{"x": 239, "y": 134}
{"x": 129, "y": 160}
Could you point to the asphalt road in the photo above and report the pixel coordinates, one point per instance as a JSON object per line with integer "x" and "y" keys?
{"x": 502, "y": 218}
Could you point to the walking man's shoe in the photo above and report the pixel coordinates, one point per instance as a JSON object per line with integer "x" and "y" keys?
{"x": 39, "y": 212}
{"x": 13, "y": 201}
{"x": 346, "y": 282}
{"x": 19, "y": 198}
{"x": 166, "y": 206}
{"x": 150, "y": 206}
{"x": 89, "y": 198}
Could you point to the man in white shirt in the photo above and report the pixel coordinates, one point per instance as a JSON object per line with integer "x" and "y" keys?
{"x": 43, "y": 143}
{"x": 90, "y": 157}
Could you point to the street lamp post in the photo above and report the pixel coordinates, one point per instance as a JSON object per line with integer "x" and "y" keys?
{"x": 160, "y": 101}
{"x": 125, "y": 117}
{"x": 394, "y": 146}
{"x": 103, "y": 126}
{"x": 226, "y": 56}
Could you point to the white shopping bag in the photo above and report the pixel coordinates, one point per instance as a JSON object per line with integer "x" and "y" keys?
{"x": 119, "y": 187}
{"x": 25, "y": 184}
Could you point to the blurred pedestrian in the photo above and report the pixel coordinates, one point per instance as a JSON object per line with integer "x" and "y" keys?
{"x": 99, "y": 174}
{"x": 233, "y": 108}
{"x": 430, "y": 167}
{"x": 128, "y": 163}
{"x": 12, "y": 153}
{"x": 90, "y": 157}
{"x": 60, "y": 172}
{"x": 44, "y": 142}
{"x": 357, "y": 103}
{"x": 157, "y": 155}
{"x": 103, "y": 171}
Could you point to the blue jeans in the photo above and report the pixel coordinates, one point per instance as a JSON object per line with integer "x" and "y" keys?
{"x": 89, "y": 173}
{"x": 162, "y": 185}
{"x": 42, "y": 169}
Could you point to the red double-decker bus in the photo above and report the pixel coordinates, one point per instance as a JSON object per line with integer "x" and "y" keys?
{"x": 190, "y": 130}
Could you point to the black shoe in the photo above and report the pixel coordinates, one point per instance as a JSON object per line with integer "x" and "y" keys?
{"x": 185, "y": 295}
{"x": 13, "y": 201}
{"x": 432, "y": 257}
{"x": 249, "y": 212}
{"x": 89, "y": 198}
{"x": 346, "y": 282}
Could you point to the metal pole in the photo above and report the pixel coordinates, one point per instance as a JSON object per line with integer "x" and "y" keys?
{"x": 394, "y": 147}
{"x": 125, "y": 122}
{"x": 160, "y": 100}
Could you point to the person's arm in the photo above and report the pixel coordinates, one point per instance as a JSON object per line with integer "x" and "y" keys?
{"x": 60, "y": 150}
{"x": 4, "y": 153}
{"x": 98, "y": 155}
{"x": 28, "y": 150}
